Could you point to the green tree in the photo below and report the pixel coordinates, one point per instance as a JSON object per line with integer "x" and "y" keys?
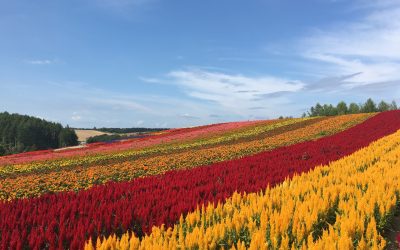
{"x": 329, "y": 110}
{"x": 341, "y": 108}
{"x": 393, "y": 106}
{"x": 369, "y": 106}
{"x": 319, "y": 110}
{"x": 383, "y": 106}
{"x": 68, "y": 137}
{"x": 2, "y": 150}
{"x": 19, "y": 133}
{"x": 354, "y": 108}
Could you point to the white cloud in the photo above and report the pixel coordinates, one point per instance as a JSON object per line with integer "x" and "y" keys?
{"x": 40, "y": 62}
{"x": 139, "y": 123}
{"x": 76, "y": 117}
{"x": 370, "y": 47}
{"x": 188, "y": 116}
{"x": 81, "y": 104}
{"x": 118, "y": 104}
{"x": 149, "y": 79}
{"x": 234, "y": 92}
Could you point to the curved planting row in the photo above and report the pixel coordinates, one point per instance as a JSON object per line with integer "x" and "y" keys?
{"x": 37, "y": 180}
{"x": 66, "y": 220}
{"x": 152, "y": 139}
{"x": 346, "y": 205}
{"x": 163, "y": 148}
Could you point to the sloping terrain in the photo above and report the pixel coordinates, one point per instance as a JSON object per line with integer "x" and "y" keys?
{"x": 222, "y": 185}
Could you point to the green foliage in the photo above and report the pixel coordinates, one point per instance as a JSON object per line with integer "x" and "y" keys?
{"x": 393, "y": 106}
{"x": 369, "y": 106}
{"x": 103, "y": 138}
{"x": 341, "y": 108}
{"x": 383, "y": 106}
{"x": 21, "y": 133}
{"x": 2, "y": 150}
{"x": 113, "y": 137}
{"x": 354, "y": 108}
{"x": 130, "y": 130}
{"x": 67, "y": 137}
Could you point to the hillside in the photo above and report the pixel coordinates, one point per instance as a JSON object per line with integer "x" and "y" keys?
{"x": 84, "y": 134}
{"x": 285, "y": 183}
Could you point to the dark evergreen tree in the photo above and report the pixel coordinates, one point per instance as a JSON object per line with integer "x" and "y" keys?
{"x": 68, "y": 137}
{"x": 20, "y": 133}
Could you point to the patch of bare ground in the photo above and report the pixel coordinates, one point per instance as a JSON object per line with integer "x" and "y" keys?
{"x": 391, "y": 236}
{"x": 72, "y": 147}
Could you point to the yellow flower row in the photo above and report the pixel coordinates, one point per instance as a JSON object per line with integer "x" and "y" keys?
{"x": 83, "y": 177}
{"x": 345, "y": 205}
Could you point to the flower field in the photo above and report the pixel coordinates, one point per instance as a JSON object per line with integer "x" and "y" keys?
{"x": 34, "y": 179}
{"x": 323, "y": 182}
{"x": 342, "y": 205}
{"x": 154, "y": 138}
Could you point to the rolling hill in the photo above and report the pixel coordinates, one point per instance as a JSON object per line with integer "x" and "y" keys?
{"x": 296, "y": 182}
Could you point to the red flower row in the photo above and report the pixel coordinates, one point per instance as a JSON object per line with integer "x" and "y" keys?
{"x": 167, "y": 136}
{"x": 66, "y": 220}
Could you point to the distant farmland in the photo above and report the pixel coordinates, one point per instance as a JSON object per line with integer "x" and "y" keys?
{"x": 84, "y": 134}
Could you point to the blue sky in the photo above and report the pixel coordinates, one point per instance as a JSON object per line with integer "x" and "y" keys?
{"x": 155, "y": 63}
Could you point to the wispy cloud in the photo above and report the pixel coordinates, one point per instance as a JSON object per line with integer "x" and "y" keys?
{"x": 365, "y": 52}
{"x": 117, "y": 104}
{"x": 40, "y": 61}
{"x": 230, "y": 90}
{"x": 140, "y": 123}
{"x": 123, "y": 8}
{"x": 82, "y": 104}
{"x": 334, "y": 83}
{"x": 256, "y": 108}
{"x": 190, "y": 117}
{"x": 76, "y": 117}
{"x": 244, "y": 59}
{"x": 149, "y": 79}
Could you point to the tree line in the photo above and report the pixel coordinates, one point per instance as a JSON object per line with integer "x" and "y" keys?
{"x": 113, "y": 137}
{"x": 22, "y": 133}
{"x": 129, "y": 130}
{"x": 353, "y": 108}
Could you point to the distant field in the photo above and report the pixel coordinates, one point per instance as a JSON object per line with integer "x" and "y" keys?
{"x": 83, "y": 134}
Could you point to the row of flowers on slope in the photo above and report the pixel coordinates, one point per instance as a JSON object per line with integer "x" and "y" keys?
{"x": 149, "y": 140}
{"x": 63, "y": 179}
{"x": 346, "y": 205}
{"x": 164, "y": 148}
{"x": 67, "y": 219}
